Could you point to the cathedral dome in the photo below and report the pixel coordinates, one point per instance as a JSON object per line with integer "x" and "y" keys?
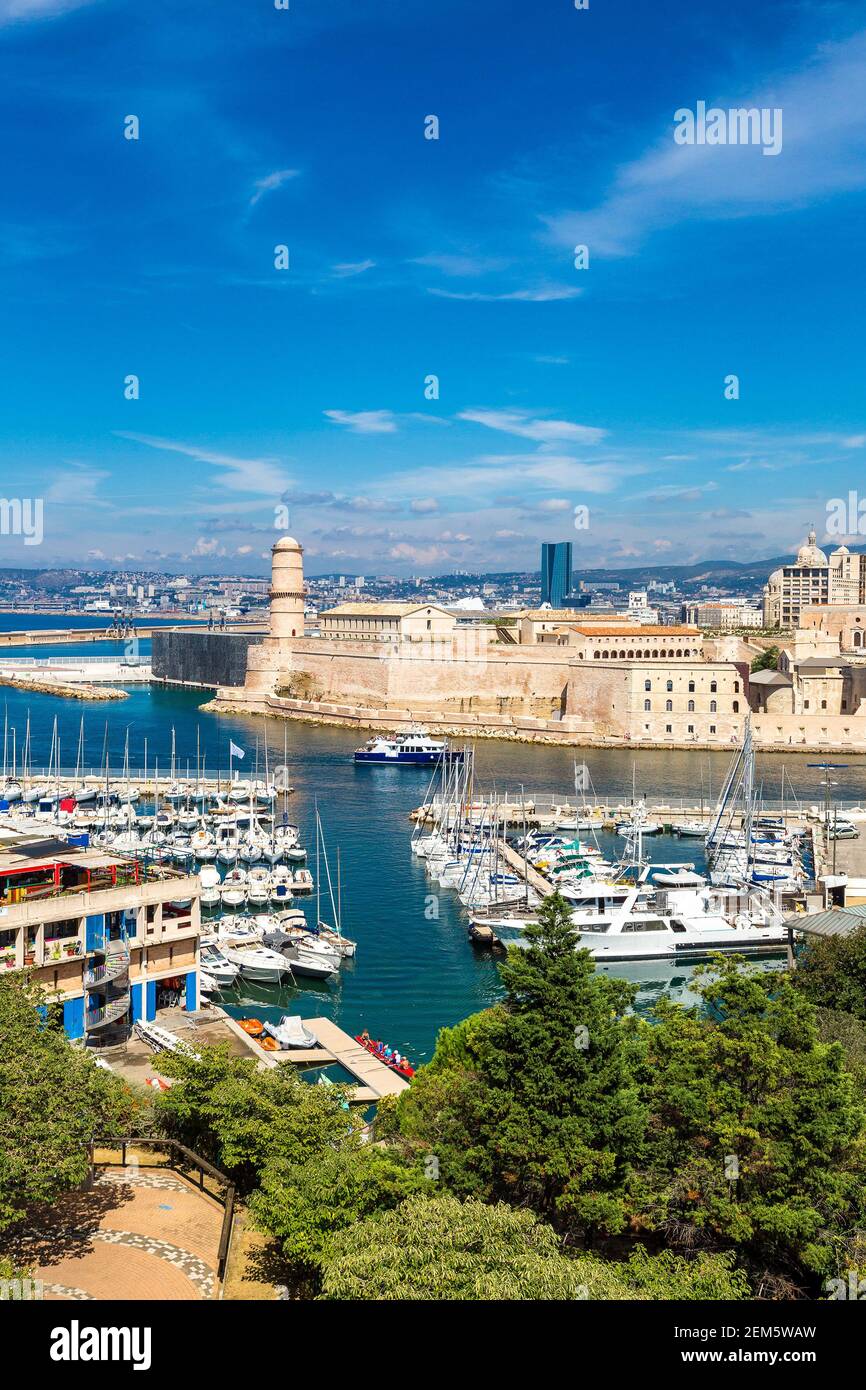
{"x": 809, "y": 553}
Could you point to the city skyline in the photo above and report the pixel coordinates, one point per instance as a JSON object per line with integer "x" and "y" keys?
{"x": 308, "y": 389}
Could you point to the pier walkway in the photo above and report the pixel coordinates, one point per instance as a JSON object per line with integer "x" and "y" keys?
{"x": 374, "y": 1078}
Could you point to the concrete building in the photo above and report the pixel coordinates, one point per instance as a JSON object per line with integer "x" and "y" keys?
{"x": 107, "y": 937}
{"x": 814, "y": 580}
{"x": 389, "y": 622}
{"x": 723, "y": 615}
{"x": 796, "y": 586}
{"x": 841, "y": 623}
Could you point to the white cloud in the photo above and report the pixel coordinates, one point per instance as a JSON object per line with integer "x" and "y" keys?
{"x": 262, "y": 476}
{"x": 349, "y": 268}
{"x": 424, "y": 504}
{"x": 555, "y": 504}
{"x": 824, "y": 153}
{"x": 271, "y": 182}
{"x": 525, "y": 425}
{"x": 14, "y": 10}
{"x": 460, "y": 265}
{"x": 365, "y": 421}
{"x": 542, "y": 294}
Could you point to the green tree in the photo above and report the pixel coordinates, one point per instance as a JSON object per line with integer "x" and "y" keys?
{"x": 53, "y": 1101}
{"x": 831, "y": 972}
{"x": 767, "y": 660}
{"x": 534, "y": 1102}
{"x": 305, "y": 1204}
{"x": 442, "y": 1248}
{"x": 240, "y": 1116}
{"x": 755, "y": 1137}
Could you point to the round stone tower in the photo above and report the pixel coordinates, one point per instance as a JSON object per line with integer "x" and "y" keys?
{"x": 287, "y": 589}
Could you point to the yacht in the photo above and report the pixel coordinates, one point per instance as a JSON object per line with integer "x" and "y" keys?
{"x": 304, "y": 954}
{"x": 218, "y": 966}
{"x": 638, "y": 922}
{"x": 234, "y": 888}
{"x": 416, "y": 747}
{"x": 259, "y": 963}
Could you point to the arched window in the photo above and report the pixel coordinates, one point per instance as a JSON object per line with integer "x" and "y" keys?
{"x": 712, "y": 707}
{"x": 605, "y": 655}
{"x": 647, "y": 685}
{"x": 691, "y": 684}
{"x": 655, "y": 654}
{"x": 858, "y": 639}
{"x": 736, "y": 707}
{"x": 679, "y": 651}
{"x": 713, "y": 687}
{"x": 669, "y": 704}
{"x": 596, "y": 655}
{"x": 647, "y": 704}
{"x": 736, "y": 687}
{"x": 622, "y": 656}
{"x": 669, "y": 685}
{"x": 691, "y": 706}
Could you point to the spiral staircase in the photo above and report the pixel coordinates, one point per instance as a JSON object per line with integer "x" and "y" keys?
{"x": 109, "y": 978}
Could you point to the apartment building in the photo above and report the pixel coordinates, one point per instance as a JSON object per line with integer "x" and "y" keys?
{"x": 110, "y": 939}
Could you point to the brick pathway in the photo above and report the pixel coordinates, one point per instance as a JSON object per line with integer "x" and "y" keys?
{"x": 136, "y": 1234}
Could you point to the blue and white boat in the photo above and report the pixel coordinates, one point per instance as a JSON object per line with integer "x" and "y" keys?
{"x": 415, "y": 748}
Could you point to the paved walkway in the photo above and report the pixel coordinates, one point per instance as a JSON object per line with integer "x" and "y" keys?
{"x": 138, "y": 1233}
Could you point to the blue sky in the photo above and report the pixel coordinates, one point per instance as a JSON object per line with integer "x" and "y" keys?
{"x": 409, "y": 257}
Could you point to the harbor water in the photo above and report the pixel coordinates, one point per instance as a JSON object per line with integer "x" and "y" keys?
{"x": 415, "y": 969}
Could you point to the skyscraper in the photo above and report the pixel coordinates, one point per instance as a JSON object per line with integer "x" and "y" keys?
{"x": 555, "y": 572}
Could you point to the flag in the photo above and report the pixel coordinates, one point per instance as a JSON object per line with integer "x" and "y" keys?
{"x": 234, "y": 751}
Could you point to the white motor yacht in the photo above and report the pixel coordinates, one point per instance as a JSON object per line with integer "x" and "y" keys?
{"x": 218, "y": 965}
{"x": 259, "y": 963}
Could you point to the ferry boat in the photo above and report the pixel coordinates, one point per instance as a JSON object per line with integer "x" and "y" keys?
{"x": 415, "y": 748}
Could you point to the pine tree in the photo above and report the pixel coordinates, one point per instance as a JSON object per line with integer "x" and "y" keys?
{"x": 534, "y": 1102}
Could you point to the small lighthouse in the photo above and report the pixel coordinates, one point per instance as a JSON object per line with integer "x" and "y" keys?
{"x": 287, "y": 589}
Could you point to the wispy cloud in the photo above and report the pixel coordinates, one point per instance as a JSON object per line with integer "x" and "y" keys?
{"x": 460, "y": 265}
{"x": 528, "y": 426}
{"x": 541, "y": 294}
{"x": 12, "y": 11}
{"x": 365, "y": 421}
{"x": 349, "y": 268}
{"x": 257, "y": 475}
{"x": 270, "y": 183}
{"x": 824, "y": 154}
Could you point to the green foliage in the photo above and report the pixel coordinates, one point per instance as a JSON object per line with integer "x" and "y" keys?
{"x": 441, "y": 1248}
{"x": 767, "y": 660}
{"x": 240, "y": 1117}
{"x": 445, "y": 1249}
{"x": 304, "y": 1204}
{"x": 753, "y": 1086}
{"x": 850, "y": 1034}
{"x": 831, "y": 971}
{"x": 53, "y": 1101}
{"x": 534, "y": 1102}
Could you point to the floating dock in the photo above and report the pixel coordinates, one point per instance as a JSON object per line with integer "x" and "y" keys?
{"x": 374, "y": 1077}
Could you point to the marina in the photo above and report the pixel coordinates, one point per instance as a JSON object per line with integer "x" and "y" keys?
{"x": 415, "y": 971}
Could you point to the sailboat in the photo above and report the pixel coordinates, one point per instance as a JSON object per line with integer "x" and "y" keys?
{"x": 12, "y": 788}
{"x": 332, "y": 935}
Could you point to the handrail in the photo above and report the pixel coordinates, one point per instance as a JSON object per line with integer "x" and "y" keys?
{"x": 227, "y": 1200}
